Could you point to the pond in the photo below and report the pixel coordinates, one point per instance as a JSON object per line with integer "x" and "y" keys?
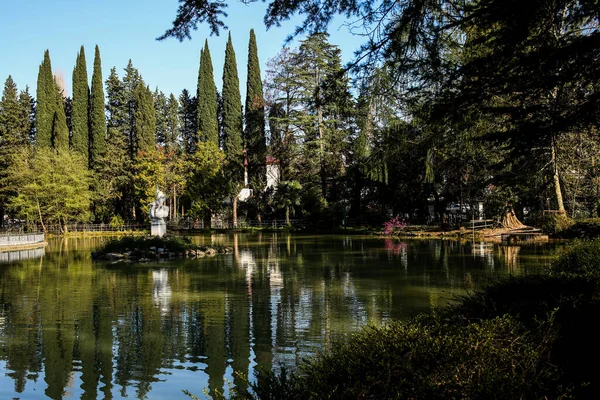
{"x": 73, "y": 328}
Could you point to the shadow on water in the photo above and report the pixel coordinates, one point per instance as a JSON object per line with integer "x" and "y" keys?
{"x": 70, "y": 327}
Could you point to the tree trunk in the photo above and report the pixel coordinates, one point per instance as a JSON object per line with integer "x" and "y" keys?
{"x": 40, "y": 214}
{"x": 510, "y": 220}
{"x": 235, "y": 199}
{"x": 287, "y": 215}
{"x": 174, "y": 203}
{"x": 556, "y": 177}
{"x": 207, "y": 220}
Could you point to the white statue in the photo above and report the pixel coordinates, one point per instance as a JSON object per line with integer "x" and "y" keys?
{"x": 158, "y": 211}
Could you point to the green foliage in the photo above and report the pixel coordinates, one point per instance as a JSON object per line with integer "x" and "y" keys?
{"x": 45, "y": 103}
{"x": 582, "y": 258}
{"x": 580, "y": 229}
{"x": 188, "y": 116}
{"x": 172, "y": 139}
{"x": 426, "y": 357}
{"x": 287, "y": 196}
{"x": 254, "y": 133}
{"x": 232, "y": 115}
{"x": 555, "y": 223}
{"x": 51, "y": 186}
{"x": 97, "y": 132}
{"x": 522, "y": 337}
{"x": 60, "y": 130}
{"x": 144, "y": 118}
{"x": 148, "y": 172}
{"x": 208, "y": 125}
{"x": 116, "y": 221}
{"x": 80, "y": 106}
{"x": 173, "y": 244}
{"x": 205, "y": 184}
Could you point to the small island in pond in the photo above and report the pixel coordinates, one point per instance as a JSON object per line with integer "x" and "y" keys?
{"x": 151, "y": 248}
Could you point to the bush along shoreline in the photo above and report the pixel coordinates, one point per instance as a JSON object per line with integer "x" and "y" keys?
{"x": 152, "y": 248}
{"x": 525, "y": 337}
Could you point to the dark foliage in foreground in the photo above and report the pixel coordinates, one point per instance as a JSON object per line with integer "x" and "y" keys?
{"x": 523, "y": 337}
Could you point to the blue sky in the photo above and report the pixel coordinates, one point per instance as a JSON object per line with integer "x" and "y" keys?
{"x": 126, "y": 29}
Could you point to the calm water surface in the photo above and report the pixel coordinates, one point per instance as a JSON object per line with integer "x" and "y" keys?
{"x": 73, "y": 328}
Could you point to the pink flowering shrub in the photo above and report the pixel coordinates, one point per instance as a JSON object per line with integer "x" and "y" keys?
{"x": 393, "y": 225}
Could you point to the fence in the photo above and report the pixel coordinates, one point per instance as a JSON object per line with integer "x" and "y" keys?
{"x": 17, "y": 239}
{"x": 96, "y": 228}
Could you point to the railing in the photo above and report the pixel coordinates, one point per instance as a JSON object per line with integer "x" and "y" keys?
{"x": 17, "y": 239}
{"x": 59, "y": 229}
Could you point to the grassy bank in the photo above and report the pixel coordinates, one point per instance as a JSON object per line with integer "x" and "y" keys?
{"x": 523, "y": 337}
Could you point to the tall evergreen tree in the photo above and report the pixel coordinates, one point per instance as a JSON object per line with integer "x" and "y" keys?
{"x": 60, "y": 130}
{"x": 46, "y": 100}
{"x": 160, "y": 109}
{"x": 188, "y": 121}
{"x": 15, "y": 127}
{"x": 172, "y": 122}
{"x": 208, "y": 126}
{"x": 116, "y": 105}
{"x": 80, "y": 106}
{"x": 97, "y": 121}
{"x": 144, "y": 118}
{"x": 254, "y": 134}
{"x": 27, "y": 116}
{"x": 232, "y": 112}
{"x": 10, "y": 126}
{"x": 130, "y": 82}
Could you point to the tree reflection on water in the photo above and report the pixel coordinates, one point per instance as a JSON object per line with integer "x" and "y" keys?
{"x": 70, "y": 327}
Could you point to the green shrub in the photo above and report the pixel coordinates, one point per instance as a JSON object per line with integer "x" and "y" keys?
{"x": 555, "y": 223}
{"x": 116, "y": 221}
{"x": 581, "y": 258}
{"x": 586, "y": 228}
{"x": 174, "y": 244}
{"x": 426, "y": 358}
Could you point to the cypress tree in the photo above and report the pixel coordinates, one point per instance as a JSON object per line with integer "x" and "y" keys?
{"x": 208, "y": 126}
{"x": 80, "y": 106}
{"x": 60, "y": 130}
{"x": 97, "y": 132}
{"x": 232, "y": 110}
{"x": 144, "y": 118}
{"x": 254, "y": 134}
{"x": 45, "y": 103}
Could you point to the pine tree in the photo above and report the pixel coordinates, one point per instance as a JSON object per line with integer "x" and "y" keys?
{"x": 188, "y": 114}
{"x": 46, "y": 100}
{"x": 80, "y": 106}
{"x": 9, "y": 114}
{"x": 160, "y": 108}
{"x": 97, "y": 121}
{"x": 208, "y": 126}
{"x": 232, "y": 112}
{"x": 60, "y": 130}
{"x": 27, "y": 115}
{"x": 172, "y": 122}
{"x": 144, "y": 118}
{"x": 116, "y": 106}
{"x": 254, "y": 134}
{"x": 130, "y": 82}
{"x": 14, "y": 134}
